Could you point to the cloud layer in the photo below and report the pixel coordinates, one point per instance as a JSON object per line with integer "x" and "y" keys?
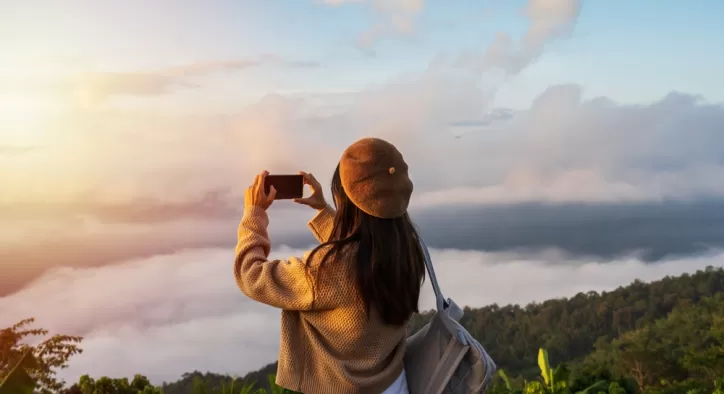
{"x": 562, "y": 149}
{"x": 104, "y": 188}
{"x": 170, "y": 314}
{"x": 95, "y": 87}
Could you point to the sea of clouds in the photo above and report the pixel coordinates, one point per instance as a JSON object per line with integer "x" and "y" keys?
{"x": 169, "y": 314}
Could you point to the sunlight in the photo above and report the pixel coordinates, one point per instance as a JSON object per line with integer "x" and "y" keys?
{"x": 22, "y": 118}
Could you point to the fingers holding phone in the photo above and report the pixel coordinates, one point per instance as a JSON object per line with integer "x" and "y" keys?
{"x": 316, "y": 200}
{"x": 256, "y": 195}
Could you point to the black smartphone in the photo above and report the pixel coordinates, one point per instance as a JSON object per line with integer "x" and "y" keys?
{"x": 287, "y": 186}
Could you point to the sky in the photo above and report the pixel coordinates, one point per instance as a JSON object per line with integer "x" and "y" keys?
{"x": 556, "y": 147}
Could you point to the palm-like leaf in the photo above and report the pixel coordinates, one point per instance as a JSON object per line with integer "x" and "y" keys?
{"x": 506, "y": 380}
{"x": 601, "y": 385}
{"x": 545, "y": 367}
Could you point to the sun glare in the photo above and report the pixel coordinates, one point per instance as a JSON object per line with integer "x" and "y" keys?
{"x": 21, "y": 120}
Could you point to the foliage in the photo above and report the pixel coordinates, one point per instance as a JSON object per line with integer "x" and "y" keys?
{"x": 200, "y": 385}
{"x": 141, "y": 385}
{"x": 569, "y": 328}
{"x": 552, "y": 381}
{"x": 212, "y": 380}
{"x": 105, "y": 385}
{"x": 49, "y": 355}
{"x": 557, "y": 381}
{"x": 17, "y": 380}
{"x": 197, "y": 382}
{"x": 672, "y": 353}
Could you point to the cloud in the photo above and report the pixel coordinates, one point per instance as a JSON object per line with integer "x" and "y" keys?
{"x": 548, "y": 21}
{"x": 562, "y": 149}
{"x": 101, "y": 85}
{"x": 98, "y": 86}
{"x": 154, "y": 315}
{"x": 606, "y": 231}
{"x": 603, "y": 231}
{"x": 396, "y": 17}
{"x": 110, "y": 235}
{"x": 114, "y": 184}
{"x": 15, "y": 149}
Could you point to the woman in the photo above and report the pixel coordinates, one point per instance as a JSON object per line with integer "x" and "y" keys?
{"x": 345, "y": 304}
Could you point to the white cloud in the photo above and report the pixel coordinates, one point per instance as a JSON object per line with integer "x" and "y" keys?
{"x": 548, "y": 20}
{"x": 170, "y": 314}
{"x": 397, "y": 17}
{"x": 562, "y": 148}
{"x": 86, "y": 89}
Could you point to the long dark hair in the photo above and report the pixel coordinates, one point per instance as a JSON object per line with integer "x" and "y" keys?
{"x": 389, "y": 262}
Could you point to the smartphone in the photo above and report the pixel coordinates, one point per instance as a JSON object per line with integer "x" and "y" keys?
{"x": 287, "y": 186}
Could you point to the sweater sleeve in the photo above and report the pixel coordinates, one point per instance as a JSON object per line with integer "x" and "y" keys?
{"x": 282, "y": 284}
{"x": 322, "y": 224}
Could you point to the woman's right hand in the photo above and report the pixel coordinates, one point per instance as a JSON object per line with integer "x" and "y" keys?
{"x": 316, "y": 200}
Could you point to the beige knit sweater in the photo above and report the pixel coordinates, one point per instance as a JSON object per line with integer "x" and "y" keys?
{"x": 327, "y": 343}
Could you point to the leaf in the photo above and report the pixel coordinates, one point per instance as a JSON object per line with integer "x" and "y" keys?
{"x": 534, "y": 388}
{"x": 545, "y": 367}
{"x": 506, "y": 380}
{"x": 247, "y": 388}
{"x": 560, "y": 376}
{"x": 273, "y": 384}
{"x": 601, "y": 385}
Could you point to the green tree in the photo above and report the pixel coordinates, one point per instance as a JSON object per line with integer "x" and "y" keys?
{"x": 201, "y": 385}
{"x": 106, "y": 385}
{"x": 683, "y": 351}
{"x": 50, "y": 354}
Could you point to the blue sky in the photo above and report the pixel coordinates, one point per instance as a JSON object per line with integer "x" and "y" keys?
{"x": 622, "y": 49}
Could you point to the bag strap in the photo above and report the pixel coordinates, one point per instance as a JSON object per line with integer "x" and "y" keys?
{"x": 440, "y": 301}
{"x": 447, "y": 307}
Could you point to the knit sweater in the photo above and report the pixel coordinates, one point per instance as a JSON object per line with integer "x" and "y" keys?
{"x": 328, "y": 344}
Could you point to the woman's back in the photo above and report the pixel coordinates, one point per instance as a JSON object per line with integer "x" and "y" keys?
{"x": 345, "y": 304}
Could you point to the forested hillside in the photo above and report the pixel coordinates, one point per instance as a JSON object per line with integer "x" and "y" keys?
{"x": 569, "y": 328}
{"x": 582, "y": 330}
{"x": 661, "y": 337}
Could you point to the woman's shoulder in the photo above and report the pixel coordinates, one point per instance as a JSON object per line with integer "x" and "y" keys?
{"x": 333, "y": 266}
{"x": 329, "y": 256}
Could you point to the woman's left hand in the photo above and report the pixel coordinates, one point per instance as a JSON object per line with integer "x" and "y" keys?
{"x": 255, "y": 195}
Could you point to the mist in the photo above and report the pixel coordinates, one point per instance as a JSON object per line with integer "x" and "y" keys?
{"x": 169, "y": 314}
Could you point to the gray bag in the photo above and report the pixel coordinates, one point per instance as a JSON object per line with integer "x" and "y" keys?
{"x": 442, "y": 357}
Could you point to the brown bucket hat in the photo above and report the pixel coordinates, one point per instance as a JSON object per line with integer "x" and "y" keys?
{"x": 374, "y": 176}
